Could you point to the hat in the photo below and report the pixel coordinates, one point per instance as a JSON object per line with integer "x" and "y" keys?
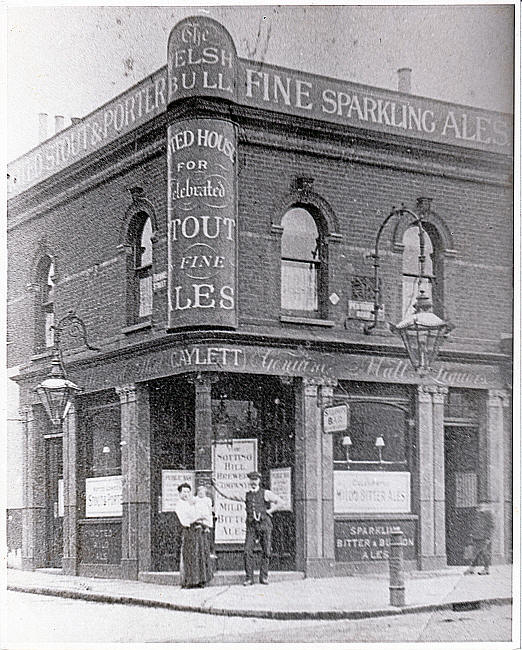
{"x": 253, "y": 475}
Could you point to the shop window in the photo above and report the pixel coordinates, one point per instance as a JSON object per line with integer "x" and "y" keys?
{"x": 302, "y": 262}
{"x": 140, "y": 279}
{"x": 102, "y": 441}
{"x": 44, "y": 338}
{"x": 431, "y": 283}
{"x": 377, "y": 437}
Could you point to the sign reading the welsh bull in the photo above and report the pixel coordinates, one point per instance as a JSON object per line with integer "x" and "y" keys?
{"x": 202, "y": 229}
{"x": 202, "y": 60}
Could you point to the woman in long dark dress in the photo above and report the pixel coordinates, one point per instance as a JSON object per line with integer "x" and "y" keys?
{"x": 195, "y": 564}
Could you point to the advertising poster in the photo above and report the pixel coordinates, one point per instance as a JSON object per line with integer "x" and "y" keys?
{"x": 103, "y": 496}
{"x": 358, "y": 492}
{"x": 170, "y": 479}
{"x": 281, "y": 484}
{"x": 231, "y": 462}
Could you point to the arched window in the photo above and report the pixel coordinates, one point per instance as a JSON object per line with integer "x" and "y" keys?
{"x": 141, "y": 271}
{"x": 301, "y": 262}
{"x": 411, "y": 284}
{"x": 45, "y": 304}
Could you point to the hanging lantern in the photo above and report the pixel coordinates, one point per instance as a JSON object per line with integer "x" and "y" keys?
{"x": 422, "y": 333}
{"x": 56, "y": 393}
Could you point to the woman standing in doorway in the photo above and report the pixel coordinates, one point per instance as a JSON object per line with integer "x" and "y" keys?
{"x": 195, "y": 566}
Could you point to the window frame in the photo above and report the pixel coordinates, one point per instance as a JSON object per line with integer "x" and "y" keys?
{"x": 137, "y": 272}
{"x": 45, "y": 304}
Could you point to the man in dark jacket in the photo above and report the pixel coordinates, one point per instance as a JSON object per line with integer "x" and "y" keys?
{"x": 482, "y": 529}
{"x": 259, "y": 506}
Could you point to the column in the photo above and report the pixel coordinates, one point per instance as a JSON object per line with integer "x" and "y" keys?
{"x": 203, "y": 427}
{"x": 70, "y": 491}
{"x": 494, "y": 468}
{"x": 425, "y": 478}
{"x": 326, "y": 391}
{"x": 135, "y": 467}
{"x": 34, "y": 534}
{"x": 439, "y": 488}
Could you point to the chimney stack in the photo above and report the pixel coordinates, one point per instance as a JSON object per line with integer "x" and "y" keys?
{"x": 404, "y": 83}
{"x": 59, "y": 121}
{"x": 42, "y": 127}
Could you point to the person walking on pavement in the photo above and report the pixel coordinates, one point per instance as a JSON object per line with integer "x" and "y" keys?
{"x": 481, "y": 534}
{"x": 259, "y": 507}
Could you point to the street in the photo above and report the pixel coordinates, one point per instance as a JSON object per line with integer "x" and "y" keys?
{"x": 34, "y": 619}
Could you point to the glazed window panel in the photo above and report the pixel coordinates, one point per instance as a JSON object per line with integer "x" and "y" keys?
{"x": 300, "y": 262}
{"x": 299, "y": 286}
{"x": 103, "y": 443}
{"x": 141, "y": 285}
{"x": 374, "y": 426}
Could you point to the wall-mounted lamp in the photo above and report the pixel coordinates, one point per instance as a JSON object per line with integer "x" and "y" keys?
{"x": 56, "y": 391}
{"x": 347, "y": 443}
{"x": 421, "y": 333}
{"x": 379, "y": 443}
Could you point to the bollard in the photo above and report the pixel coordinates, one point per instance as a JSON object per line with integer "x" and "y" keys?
{"x": 397, "y": 588}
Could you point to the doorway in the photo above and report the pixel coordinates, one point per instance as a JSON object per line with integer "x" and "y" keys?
{"x": 461, "y": 459}
{"x": 54, "y": 503}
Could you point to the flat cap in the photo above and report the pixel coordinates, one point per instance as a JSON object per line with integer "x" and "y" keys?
{"x": 253, "y": 475}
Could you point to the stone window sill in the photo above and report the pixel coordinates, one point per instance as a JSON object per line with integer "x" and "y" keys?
{"x": 303, "y": 320}
{"x": 42, "y": 355}
{"x": 137, "y": 327}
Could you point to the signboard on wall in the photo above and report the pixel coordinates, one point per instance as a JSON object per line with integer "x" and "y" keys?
{"x": 231, "y": 462}
{"x": 369, "y": 540}
{"x": 170, "y": 479}
{"x": 281, "y": 484}
{"x": 362, "y": 492}
{"x": 103, "y": 496}
{"x": 202, "y": 223}
{"x": 335, "y": 418}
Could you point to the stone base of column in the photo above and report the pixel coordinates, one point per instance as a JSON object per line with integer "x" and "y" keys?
{"x": 129, "y": 569}
{"x": 69, "y": 566}
{"x": 427, "y": 563}
{"x": 319, "y": 568}
{"x": 28, "y": 564}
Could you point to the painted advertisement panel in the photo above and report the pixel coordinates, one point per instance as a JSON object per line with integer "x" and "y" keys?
{"x": 202, "y": 224}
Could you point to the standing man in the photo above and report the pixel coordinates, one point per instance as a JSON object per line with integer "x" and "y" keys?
{"x": 481, "y": 533}
{"x": 259, "y": 507}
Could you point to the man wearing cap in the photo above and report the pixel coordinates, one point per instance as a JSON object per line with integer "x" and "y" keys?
{"x": 259, "y": 507}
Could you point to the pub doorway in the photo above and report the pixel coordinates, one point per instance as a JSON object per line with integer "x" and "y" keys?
{"x": 461, "y": 457}
{"x": 259, "y": 409}
{"x": 54, "y": 502}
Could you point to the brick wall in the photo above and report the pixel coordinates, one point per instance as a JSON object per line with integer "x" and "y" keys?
{"x": 84, "y": 234}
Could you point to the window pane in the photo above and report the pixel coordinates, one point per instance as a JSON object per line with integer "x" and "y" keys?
{"x": 49, "y": 329}
{"x": 145, "y": 258}
{"x": 300, "y": 235}
{"x": 48, "y": 292}
{"x": 145, "y": 305}
{"x": 410, "y": 290}
{"x": 299, "y": 286}
{"x": 104, "y": 431}
{"x": 410, "y": 256}
{"x": 368, "y": 421}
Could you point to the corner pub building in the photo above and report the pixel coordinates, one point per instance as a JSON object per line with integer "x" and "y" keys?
{"x": 211, "y": 228}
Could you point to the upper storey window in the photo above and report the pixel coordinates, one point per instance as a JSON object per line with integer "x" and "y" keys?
{"x": 411, "y": 283}
{"x": 45, "y": 307}
{"x": 142, "y": 269}
{"x": 301, "y": 253}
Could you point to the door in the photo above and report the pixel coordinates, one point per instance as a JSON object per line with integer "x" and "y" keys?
{"x": 54, "y": 502}
{"x": 461, "y": 478}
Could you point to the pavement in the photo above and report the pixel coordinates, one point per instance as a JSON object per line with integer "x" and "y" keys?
{"x": 351, "y": 597}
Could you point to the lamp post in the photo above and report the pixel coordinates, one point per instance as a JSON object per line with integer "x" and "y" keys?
{"x": 56, "y": 391}
{"x": 423, "y": 331}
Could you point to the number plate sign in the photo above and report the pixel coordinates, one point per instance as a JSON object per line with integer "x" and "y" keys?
{"x": 335, "y": 418}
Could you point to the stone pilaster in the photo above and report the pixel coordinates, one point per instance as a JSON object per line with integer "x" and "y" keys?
{"x": 70, "y": 491}
{"x": 203, "y": 427}
{"x": 494, "y": 468}
{"x": 135, "y": 465}
{"x": 439, "y": 488}
{"x": 34, "y": 534}
{"x": 326, "y": 395}
{"x": 430, "y": 478}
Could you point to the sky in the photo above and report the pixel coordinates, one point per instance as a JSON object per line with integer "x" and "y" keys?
{"x": 68, "y": 60}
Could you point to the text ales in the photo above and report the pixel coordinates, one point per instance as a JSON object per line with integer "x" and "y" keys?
{"x": 202, "y": 224}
